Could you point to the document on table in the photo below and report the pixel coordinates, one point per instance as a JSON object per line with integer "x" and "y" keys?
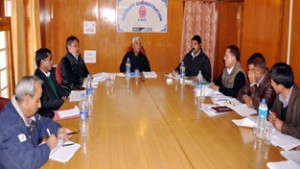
{"x": 101, "y": 77}
{"x": 94, "y": 84}
{"x": 68, "y": 113}
{"x": 284, "y": 141}
{"x": 64, "y": 153}
{"x": 211, "y": 112}
{"x": 238, "y": 107}
{"x": 243, "y": 110}
{"x": 149, "y": 75}
{"x": 75, "y": 95}
{"x": 291, "y": 155}
{"x": 245, "y": 122}
{"x": 283, "y": 164}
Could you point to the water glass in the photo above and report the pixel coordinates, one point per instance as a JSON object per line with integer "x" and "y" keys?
{"x": 269, "y": 129}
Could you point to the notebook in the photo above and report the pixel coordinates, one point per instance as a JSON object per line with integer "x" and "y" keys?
{"x": 64, "y": 153}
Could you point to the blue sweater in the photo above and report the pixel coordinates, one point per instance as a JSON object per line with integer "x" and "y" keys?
{"x": 17, "y": 149}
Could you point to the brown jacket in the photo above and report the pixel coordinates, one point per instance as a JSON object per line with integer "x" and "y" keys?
{"x": 264, "y": 90}
{"x": 291, "y": 125}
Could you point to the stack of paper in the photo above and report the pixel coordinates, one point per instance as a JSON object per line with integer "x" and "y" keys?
{"x": 75, "y": 95}
{"x": 211, "y": 112}
{"x": 64, "y": 153}
{"x": 150, "y": 75}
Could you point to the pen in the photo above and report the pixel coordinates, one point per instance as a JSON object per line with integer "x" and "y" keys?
{"x": 68, "y": 144}
{"x": 48, "y": 132}
{"x": 74, "y": 132}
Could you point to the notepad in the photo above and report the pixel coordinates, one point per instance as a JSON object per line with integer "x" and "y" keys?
{"x": 64, "y": 153}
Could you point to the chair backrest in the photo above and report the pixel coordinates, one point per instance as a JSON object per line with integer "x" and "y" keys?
{"x": 58, "y": 74}
{"x": 143, "y": 51}
{"x": 3, "y": 101}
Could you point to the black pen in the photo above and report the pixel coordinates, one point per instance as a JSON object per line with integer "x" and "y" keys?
{"x": 64, "y": 145}
{"x": 74, "y": 132}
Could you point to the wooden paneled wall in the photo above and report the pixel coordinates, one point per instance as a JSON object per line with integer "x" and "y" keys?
{"x": 62, "y": 18}
{"x": 295, "y": 41}
{"x": 228, "y": 31}
{"x": 265, "y": 29}
{"x": 261, "y": 30}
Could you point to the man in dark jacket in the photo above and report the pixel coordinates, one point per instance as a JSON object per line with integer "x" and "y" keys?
{"x": 53, "y": 95}
{"x": 196, "y": 60}
{"x": 73, "y": 68}
{"x": 285, "y": 112}
{"x": 137, "y": 59}
{"x": 259, "y": 85}
{"x": 233, "y": 76}
{"x": 21, "y": 128}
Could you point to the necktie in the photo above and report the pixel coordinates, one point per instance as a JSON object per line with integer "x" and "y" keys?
{"x": 31, "y": 130}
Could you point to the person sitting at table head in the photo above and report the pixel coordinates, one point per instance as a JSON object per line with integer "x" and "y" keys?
{"x": 259, "y": 85}
{"x": 73, "y": 68}
{"x": 137, "y": 59}
{"x": 196, "y": 60}
{"x": 53, "y": 95}
{"x": 233, "y": 78}
{"x": 21, "y": 128}
{"x": 285, "y": 112}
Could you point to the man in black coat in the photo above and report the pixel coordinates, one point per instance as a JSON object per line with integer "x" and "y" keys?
{"x": 196, "y": 60}
{"x": 73, "y": 69}
{"x": 136, "y": 57}
{"x": 53, "y": 95}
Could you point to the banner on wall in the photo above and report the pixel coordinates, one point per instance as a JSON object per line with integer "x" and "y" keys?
{"x": 142, "y": 15}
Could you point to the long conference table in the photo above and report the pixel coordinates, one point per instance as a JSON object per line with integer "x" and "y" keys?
{"x": 155, "y": 125}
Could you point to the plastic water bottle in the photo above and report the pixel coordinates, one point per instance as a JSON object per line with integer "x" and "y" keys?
{"x": 128, "y": 65}
{"x": 182, "y": 71}
{"x": 200, "y": 77}
{"x": 261, "y": 119}
{"x": 89, "y": 89}
{"x": 84, "y": 113}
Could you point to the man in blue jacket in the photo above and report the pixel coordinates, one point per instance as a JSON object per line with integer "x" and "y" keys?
{"x": 21, "y": 128}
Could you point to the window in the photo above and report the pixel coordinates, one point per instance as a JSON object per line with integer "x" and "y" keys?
{"x": 3, "y": 65}
{"x": 5, "y": 50}
{"x": 7, "y": 8}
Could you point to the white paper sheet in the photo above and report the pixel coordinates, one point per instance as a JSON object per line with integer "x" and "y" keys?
{"x": 283, "y": 164}
{"x": 291, "y": 155}
{"x": 243, "y": 110}
{"x": 148, "y": 75}
{"x": 75, "y": 95}
{"x": 284, "y": 141}
{"x": 68, "y": 113}
{"x": 245, "y": 122}
{"x": 64, "y": 153}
